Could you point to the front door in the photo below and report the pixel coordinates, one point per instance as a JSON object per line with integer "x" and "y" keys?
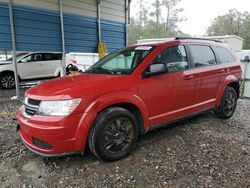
{"x": 169, "y": 96}
{"x": 31, "y": 66}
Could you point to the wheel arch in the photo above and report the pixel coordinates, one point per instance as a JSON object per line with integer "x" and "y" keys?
{"x": 231, "y": 81}
{"x": 9, "y": 71}
{"x": 6, "y": 71}
{"x": 133, "y": 109}
{"x": 58, "y": 72}
{"x": 130, "y": 103}
{"x": 236, "y": 86}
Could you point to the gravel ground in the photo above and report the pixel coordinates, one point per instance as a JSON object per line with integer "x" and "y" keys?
{"x": 200, "y": 152}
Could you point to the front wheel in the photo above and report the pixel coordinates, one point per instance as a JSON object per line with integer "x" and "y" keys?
{"x": 7, "y": 80}
{"x": 113, "y": 134}
{"x": 227, "y": 104}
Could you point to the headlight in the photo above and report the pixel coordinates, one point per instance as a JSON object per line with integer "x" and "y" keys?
{"x": 58, "y": 108}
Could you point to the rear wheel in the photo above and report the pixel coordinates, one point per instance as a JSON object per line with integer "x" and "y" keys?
{"x": 7, "y": 80}
{"x": 113, "y": 134}
{"x": 227, "y": 104}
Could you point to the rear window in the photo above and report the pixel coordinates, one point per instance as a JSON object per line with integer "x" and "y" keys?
{"x": 202, "y": 55}
{"x": 224, "y": 55}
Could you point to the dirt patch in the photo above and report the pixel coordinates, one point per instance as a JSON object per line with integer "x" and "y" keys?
{"x": 200, "y": 152}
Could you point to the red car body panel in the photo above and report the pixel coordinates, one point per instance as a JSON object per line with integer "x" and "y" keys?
{"x": 159, "y": 99}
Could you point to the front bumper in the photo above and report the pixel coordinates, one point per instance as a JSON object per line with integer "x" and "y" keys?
{"x": 47, "y": 155}
{"x": 57, "y": 132}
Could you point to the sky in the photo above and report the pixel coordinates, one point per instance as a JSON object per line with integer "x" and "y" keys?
{"x": 200, "y": 13}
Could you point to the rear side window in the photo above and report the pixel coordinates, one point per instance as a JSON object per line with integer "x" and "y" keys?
{"x": 202, "y": 55}
{"x": 49, "y": 57}
{"x": 224, "y": 55}
{"x": 57, "y": 56}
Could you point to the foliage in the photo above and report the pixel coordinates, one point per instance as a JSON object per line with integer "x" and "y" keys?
{"x": 172, "y": 13}
{"x": 232, "y": 23}
{"x": 149, "y": 22}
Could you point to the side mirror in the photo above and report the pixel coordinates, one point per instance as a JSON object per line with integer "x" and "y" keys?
{"x": 156, "y": 69}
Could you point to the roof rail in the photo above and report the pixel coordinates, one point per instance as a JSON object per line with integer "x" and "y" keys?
{"x": 194, "y": 38}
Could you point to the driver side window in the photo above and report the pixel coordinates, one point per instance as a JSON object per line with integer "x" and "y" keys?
{"x": 174, "y": 57}
{"x": 37, "y": 57}
{"x": 26, "y": 59}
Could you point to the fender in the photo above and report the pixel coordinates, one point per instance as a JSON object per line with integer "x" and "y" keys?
{"x": 101, "y": 103}
{"x": 229, "y": 79}
{"x": 58, "y": 71}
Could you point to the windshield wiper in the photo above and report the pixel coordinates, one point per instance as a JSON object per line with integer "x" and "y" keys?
{"x": 100, "y": 70}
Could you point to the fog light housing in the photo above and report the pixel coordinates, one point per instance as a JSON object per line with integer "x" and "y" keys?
{"x": 41, "y": 144}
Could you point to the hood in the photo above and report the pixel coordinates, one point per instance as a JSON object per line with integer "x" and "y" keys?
{"x": 76, "y": 86}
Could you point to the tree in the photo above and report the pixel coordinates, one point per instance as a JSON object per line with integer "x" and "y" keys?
{"x": 135, "y": 31}
{"x": 156, "y": 12}
{"x": 151, "y": 25}
{"x": 232, "y": 23}
{"x": 143, "y": 13}
{"x": 172, "y": 13}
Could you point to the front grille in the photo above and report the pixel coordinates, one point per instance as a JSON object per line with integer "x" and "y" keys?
{"x": 31, "y": 106}
{"x": 33, "y": 102}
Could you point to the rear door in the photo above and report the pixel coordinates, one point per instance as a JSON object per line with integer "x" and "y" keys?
{"x": 205, "y": 65}
{"x": 226, "y": 60}
{"x": 50, "y": 64}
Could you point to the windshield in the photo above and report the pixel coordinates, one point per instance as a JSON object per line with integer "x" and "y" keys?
{"x": 18, "y": 55}
{"x": 122, "y": 61}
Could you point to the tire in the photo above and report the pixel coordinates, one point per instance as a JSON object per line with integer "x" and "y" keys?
{"x": 228, "y": 103}
{"x": 113, "y": 134}
{"x": 7, "y": 80}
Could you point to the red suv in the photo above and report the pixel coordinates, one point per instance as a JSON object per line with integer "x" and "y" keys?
{"x": 126, "y": 94}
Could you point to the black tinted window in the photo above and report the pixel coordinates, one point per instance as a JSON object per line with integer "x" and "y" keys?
{"x": 224, "y": 55}
{"x": 202, "y": 55}
{"x": 49, "y": 57}
{"x": 175, "y": 57}
{"x": 58, "y": 56}
{"x": 37, "y": 57}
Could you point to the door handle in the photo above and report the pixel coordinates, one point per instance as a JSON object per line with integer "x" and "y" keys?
{"x": 188, "y": 77}
{"x": 221, "y": 70}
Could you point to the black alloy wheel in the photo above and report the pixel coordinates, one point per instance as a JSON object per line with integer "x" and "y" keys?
{"x": 228, "y": 103}
{"x": 118, "y": 135}
{"x": 113, "y": 134}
